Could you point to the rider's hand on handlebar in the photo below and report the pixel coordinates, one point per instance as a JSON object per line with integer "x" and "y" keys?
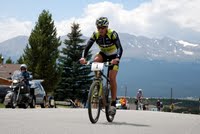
{"x": 115, "y": 61}
{"x": 83, "y": 61}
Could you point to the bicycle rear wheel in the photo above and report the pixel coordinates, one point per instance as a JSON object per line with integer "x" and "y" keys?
{"x": 94, "y": 104}
{"x": 109, "y": 117}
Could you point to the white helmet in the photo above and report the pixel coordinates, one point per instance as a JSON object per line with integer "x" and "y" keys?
{"x": 23, "y": 66}
{"x": 139, "y": 90}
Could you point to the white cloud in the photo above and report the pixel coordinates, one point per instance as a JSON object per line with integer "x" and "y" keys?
{"x": 156, "y": 18}
{"x": 11, "y": 27}
{"x": 63, "y": 27}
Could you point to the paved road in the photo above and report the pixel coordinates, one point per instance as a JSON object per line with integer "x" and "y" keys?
{"x": 75, "y": 121}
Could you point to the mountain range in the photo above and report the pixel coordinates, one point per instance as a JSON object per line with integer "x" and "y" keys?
{"x": 139, "y": 47}
{"x": 155, "y": 65}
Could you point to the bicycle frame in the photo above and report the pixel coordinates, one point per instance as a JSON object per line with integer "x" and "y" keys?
{"x": 103, "y": 95}
{"x": 98, "y": 78}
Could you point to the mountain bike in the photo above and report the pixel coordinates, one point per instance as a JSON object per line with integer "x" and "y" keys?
{"x": 98, "y": 96}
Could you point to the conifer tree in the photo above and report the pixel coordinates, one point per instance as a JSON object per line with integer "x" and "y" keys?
{"x": 75, "y": 78}
{"x": 42, "y": 52}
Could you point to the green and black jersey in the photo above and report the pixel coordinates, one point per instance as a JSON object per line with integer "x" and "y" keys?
{"x": 109, "y": 45}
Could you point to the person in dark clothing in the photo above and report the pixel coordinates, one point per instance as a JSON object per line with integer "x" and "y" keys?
{"x": 158, "y": 105}
{"x": 26, "y": 75}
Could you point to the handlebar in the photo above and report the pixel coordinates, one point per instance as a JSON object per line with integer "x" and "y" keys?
{"x": 107, "y": 64}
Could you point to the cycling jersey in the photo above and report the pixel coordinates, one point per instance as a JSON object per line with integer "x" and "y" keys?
{"x": 109, "y": 44}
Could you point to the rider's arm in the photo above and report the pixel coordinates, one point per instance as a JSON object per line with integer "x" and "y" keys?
{"x": 118, "y": 44}
{"x": 26, "y": 76}
{"x": 88, "y": 46}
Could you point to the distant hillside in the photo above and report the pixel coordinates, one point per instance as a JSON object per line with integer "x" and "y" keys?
{"x": 138, "y": 47}
{"x": 155, "y": 65}
{"x": 13, "y": 47}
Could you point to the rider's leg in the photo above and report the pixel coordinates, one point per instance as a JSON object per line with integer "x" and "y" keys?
{"x": 98, "y": 58}
{"x": 113, "y": 83}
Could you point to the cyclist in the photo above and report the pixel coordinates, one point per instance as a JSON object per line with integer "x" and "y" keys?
{"x": 110, "y": 50}
{"x": 139, "y": 97}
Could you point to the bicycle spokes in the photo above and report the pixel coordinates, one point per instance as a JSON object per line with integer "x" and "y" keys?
{"x": 94, "y": 103}
{"x": 95, "y": 99}
{"x": 98, "y": 98}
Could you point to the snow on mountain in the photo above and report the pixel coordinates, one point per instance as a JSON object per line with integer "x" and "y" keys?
{"x": 144, "y": 64}
{"x": 188, "y": 52}
{"x": 138, "y": 47}
{"x": 185, "y": 44}
{"x": 160, "y": 49}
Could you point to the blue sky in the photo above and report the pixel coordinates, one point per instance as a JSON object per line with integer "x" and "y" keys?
{"x": 60, "y": 9}
{"x": 151, "y": 18}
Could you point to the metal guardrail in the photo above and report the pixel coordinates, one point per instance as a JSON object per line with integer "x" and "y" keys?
{"x": 63, "y": 103}
{"x": 66, "y": 103}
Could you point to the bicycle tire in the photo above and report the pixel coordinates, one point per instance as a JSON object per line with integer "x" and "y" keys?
{"x": 109, "y": 117}
{"x": 90, "y": 96}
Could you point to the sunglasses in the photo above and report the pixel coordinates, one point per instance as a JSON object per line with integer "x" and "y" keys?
{"x": 101, "y": 27}
{"x": 23, "y": 68}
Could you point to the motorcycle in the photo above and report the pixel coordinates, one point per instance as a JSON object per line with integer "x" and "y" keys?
{"x": 20, "y": 93}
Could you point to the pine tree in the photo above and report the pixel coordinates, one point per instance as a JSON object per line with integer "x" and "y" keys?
{"x": 9, "y": 61}
{"x": 20, "y": 60}
{"x": 75, "y": 78}
{"x": 42, "y": 52}
{"x": 1, "y": 56}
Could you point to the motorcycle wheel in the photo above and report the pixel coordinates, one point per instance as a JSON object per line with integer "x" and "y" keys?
{"x": 25, "y": 106}
{"x": 13, "y": 101}
{"x": 20, "y": 106}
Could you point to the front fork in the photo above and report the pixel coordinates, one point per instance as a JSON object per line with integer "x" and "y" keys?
{"x": 103, "y": 95}
{"x": 17, "y": 93}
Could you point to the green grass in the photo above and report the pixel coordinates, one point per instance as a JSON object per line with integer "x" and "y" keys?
{"x": 2, "y": 105}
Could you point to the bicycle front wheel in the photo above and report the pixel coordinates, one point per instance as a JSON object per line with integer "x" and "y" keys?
{"x": 94, "y": 105}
